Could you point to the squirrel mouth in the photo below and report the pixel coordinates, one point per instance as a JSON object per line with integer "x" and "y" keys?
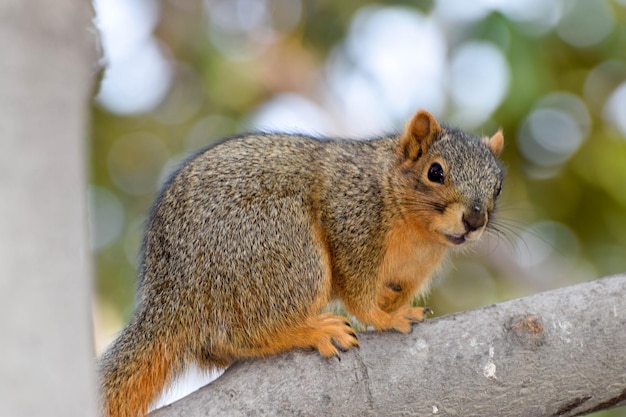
{"x": 456, "y": 240}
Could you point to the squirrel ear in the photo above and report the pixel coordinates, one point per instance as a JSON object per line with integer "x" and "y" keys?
{"x": 418, "y": 135}
{"x": 495, "y": 143}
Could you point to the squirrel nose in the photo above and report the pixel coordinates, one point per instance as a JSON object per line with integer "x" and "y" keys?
{"x": 474, "y": 219}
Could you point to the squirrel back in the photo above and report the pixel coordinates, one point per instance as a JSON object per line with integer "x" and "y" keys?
{"x": 250, "y": 240}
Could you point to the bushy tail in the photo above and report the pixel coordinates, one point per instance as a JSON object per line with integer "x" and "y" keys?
{"x": 133, "y": 372}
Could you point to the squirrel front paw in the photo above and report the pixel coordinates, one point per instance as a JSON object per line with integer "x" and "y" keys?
{"x": 399, "y": 320}
{"x": 405, "y": 316}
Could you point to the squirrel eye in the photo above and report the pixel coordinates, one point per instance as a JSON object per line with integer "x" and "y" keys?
{"x": 435, "y": 173}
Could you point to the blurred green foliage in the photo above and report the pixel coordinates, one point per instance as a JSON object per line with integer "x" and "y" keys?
{"x": 562, "y": 213}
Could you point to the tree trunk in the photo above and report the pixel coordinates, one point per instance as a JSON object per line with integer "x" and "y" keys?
{"x": 47, "y": 65}
{"x": 559, "y": 353}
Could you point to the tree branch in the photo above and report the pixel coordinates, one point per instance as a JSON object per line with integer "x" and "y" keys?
{"x": 559, "y": 353}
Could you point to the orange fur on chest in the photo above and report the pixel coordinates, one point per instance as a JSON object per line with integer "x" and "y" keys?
{"x": 411, "y": 256}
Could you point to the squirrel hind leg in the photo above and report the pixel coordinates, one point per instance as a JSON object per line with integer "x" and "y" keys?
{"x": 327, "y": 333}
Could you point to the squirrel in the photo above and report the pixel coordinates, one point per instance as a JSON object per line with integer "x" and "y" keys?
{"x": 250, "y": 240}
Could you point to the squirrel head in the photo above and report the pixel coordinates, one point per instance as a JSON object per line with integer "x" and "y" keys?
{"x": 450, "y": 180}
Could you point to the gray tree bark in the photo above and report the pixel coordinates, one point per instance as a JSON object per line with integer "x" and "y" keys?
{"x": 48, "y": 60}
{"x": 559, "y": 353}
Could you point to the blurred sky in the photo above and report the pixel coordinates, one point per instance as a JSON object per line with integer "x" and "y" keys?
{"x": 393, "y": 60}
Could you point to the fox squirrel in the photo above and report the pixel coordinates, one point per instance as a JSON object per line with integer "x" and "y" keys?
{"x": 251, "y": 239}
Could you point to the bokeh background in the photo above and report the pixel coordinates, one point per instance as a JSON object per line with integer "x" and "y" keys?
{"x": 552, "y": 74}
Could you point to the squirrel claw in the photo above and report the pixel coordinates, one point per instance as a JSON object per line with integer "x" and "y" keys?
{"x": 429, "y": 311}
